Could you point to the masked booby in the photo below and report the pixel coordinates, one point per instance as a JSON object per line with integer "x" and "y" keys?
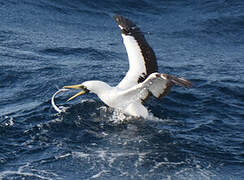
{"x": 141, "y": 80}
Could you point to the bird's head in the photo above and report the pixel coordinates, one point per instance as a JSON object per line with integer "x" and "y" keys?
{"x": 88, "y": 86}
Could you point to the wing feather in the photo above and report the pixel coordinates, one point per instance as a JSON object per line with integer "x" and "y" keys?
{"x": 159, "y": 85}
{"x": 142, "y": 59}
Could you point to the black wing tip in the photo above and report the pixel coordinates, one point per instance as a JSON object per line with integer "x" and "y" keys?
{"x": 184, "y": 82}
{"x": 127, "y": 26}
{"x": 124, "y": 21}
{"x": 178, "y": 81}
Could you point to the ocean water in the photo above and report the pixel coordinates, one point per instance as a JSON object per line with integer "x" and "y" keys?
{"x": 195, "y": 133}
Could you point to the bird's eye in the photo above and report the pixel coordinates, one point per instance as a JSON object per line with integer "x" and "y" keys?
{"x": 85, "y": 88}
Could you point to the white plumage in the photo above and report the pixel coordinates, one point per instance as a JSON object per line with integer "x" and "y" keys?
{"x": 136, "y": 63}
{"x": 141, "y": 81}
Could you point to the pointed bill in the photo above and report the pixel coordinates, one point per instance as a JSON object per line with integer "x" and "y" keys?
{"x": 76, "y": 95}
{"x": 78, "y": 86}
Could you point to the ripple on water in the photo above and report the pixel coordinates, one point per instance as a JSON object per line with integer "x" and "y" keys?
{"x": 90, "y": 135}
{"x": 190, "y": 134}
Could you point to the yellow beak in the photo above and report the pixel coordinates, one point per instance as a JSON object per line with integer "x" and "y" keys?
{"x": 78, "y": 86}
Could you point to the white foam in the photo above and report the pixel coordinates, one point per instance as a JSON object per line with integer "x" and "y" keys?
{"x": 99, "y": 174}
{"x": 22, "y": 169}
{"x": 80, "y": 154}
{"x": 8, "y": 121}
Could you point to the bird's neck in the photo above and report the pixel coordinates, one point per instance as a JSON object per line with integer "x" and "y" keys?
{"x": 99, "y": 87}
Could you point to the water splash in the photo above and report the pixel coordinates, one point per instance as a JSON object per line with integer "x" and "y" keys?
{"x": 7, "y": 121}
{"x": 27, "y": 171}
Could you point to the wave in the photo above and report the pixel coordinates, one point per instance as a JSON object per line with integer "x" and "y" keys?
{"x": 190, "y": 134}
{"x": 64, "y": 51}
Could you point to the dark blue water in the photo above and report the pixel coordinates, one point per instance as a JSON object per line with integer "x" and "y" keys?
{"x": 195, "y": 133}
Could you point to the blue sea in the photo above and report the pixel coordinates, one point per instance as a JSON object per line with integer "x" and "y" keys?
{"x": 195, "y": 133}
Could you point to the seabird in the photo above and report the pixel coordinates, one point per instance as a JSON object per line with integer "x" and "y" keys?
{"x": 141, "y": 81}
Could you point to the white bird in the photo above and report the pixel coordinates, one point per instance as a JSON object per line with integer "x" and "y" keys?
{"x": 141, "y": 81}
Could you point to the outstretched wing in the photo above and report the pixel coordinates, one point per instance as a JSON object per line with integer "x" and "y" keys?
{"x": 156, "y": 84}
{"x": 142, "y": 60}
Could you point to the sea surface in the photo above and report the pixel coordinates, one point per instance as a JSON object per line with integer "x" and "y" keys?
{"x": 195, "y": 133}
